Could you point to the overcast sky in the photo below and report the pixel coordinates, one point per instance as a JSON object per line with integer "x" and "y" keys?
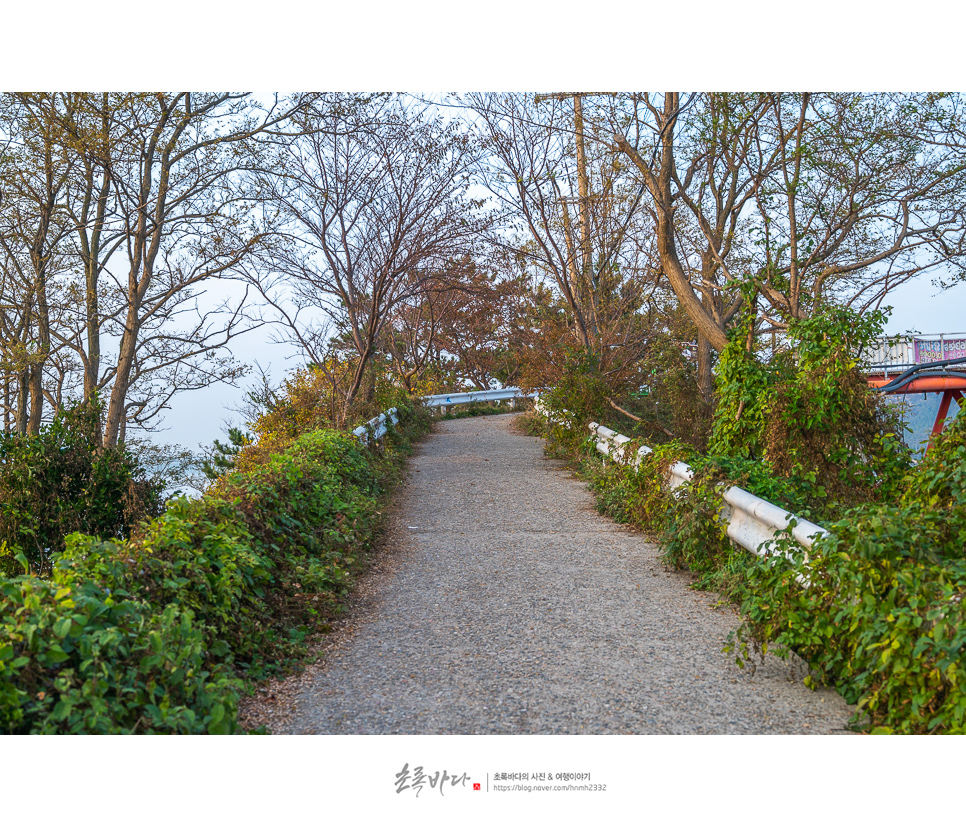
{"x": 920, "y": 306}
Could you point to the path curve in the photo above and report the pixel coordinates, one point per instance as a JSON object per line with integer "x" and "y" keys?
{"x": 513, "y": 607}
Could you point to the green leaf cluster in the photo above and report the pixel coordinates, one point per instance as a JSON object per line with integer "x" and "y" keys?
{"x": 808, "y": 413}
{"x": 80, "y": 657}
{"x": 62, "y": 481}
{"x": 882, "y": 615}
{"x": 150, "y": 634}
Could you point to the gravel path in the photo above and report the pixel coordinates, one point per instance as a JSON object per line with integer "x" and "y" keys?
{"x": 511, "y": 606}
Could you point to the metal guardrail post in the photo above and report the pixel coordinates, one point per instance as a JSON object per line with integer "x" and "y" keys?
{"x": 753, "y": 522}
{"x": 376, "y": 428}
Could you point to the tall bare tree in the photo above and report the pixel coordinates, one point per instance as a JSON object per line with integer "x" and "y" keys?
{"x": 36, "y": 173}
{"x": 568, "y": 208}
{"x": 843, "y": 195}
{"x": 185, "y": 215}
{"x": 371, "y": 205}
{"x": 118, "y": 210}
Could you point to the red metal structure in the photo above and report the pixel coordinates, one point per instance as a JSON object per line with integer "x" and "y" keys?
{"x": 951, "y": 387}
{"x": 934, "y": 364}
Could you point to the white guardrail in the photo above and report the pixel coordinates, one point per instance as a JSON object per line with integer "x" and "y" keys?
{"x": 377, "y": 427}
{"x": 446, "y": 400}
{"x": 753, "y": 522}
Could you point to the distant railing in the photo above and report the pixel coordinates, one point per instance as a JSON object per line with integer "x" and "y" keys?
{"x": 443, "y": 401}
{"x": 895, "y": 353}
{"x": 377, "y": 427}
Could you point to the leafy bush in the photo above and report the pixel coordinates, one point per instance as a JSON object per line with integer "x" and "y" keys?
{"x": 76, "y": 656}
{"x": 883, "y": 615}
{"x": 62, "y": 481}
{"x": 581, "y": 389}
{"x": 305, "y": 403}
{"x": 810, "y": 414}
{"x": 148, "y": 634}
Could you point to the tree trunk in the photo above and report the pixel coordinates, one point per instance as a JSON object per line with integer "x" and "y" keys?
{"x": 659, "y": 185}
{"x": 122, "y": 381}
{"x": 22, "y": 395}
{"x": 705, "y": 377}
{"x": 586, "y": 287}
{"x": 36, "y": 391}
{"x": 357, "y": 379}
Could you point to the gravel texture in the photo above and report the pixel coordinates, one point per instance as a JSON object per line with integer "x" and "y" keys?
{"x": 505, "y": 604}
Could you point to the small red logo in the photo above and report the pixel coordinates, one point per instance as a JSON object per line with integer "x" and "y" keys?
{"x": 476, "y": 786}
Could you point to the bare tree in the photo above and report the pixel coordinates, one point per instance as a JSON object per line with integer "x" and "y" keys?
{"x": 138, "y": 200}
{"x": 371, "y": 207}
{"x": 843, "y": 195}
{"x": 174, "y": 173}
{"x": 35, "y": 179}
{"x": 485, "y": 330}
{"x": 568, "y": 208}
{"x": 412, "y": 330}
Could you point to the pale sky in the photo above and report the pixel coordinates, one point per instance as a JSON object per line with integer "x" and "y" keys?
{"x": 919, "y": 306}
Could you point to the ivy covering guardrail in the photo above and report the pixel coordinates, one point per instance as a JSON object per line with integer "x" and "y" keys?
{"x": 753, "y": 522}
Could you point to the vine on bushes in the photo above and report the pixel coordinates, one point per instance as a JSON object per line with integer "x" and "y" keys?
{"x": 883, "y": 615}
{"x": 810, "y": 415}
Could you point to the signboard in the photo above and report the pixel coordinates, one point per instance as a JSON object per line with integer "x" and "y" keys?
{"x": 932, "y": 350}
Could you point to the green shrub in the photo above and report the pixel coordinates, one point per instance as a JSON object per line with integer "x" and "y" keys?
{"x": 61, "y": 481}
{"x": 810, "y": 414}
{"x": 883, "y": 614}
{"x": 579, "y": 396}
{"x": 669, "y": 402}
{"x": 309, "y": 512}
{"x": 149, "y": 634}
{"x": 78, "y": 657}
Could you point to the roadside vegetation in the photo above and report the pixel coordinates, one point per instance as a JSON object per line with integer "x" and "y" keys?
{"x": 876, "y": 608}
{"x": 158, "y": 630}
{"x": 697, "y": 270}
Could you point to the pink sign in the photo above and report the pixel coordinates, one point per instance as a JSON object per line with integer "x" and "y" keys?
{"x": 932, "y": 350}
